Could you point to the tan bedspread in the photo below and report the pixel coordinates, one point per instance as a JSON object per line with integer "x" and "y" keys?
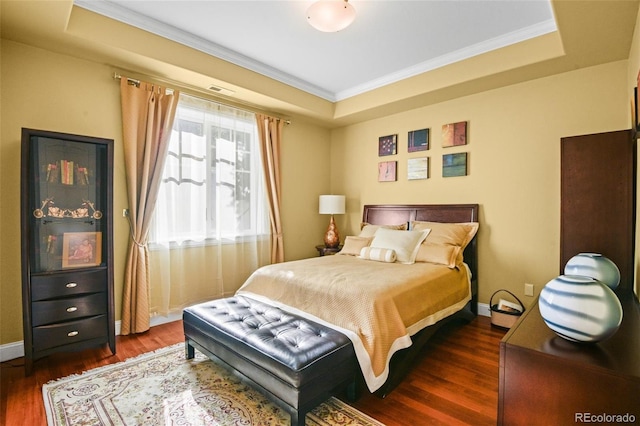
{"x": 378, "y": 305}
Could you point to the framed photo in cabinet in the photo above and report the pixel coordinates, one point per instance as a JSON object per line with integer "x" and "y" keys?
{"x": 81, "y": 249}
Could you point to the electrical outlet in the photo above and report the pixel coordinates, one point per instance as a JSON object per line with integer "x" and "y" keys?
{"x": 528, "y": 289}
{"x": 125, "y": 212}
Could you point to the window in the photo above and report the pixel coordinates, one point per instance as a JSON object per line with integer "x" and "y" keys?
{"x": 212, "y": 183}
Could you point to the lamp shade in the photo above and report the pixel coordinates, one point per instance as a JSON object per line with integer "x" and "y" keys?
{"x": 330, "y": 16}
{"x": 331, "y": 204}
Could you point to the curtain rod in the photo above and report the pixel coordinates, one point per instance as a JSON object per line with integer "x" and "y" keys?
{"x": 135, "y": 82}
{"x": 117, "y": 76}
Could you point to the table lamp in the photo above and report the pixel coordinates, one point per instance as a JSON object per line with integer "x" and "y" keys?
{"x": 332, "y": 204}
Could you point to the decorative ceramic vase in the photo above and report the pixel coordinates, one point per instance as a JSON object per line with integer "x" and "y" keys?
{"x": 580, "y": 308}
{"x": 596, "y": 266}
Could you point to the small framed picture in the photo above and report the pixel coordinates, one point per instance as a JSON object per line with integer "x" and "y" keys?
{"x": 637, "y": 102}
{"x": 418, "y": 140}
{"x": 387, "y": 171}
{"x": 454, "y": 165}
{"x": 387, "y": 145}
{"x": 637, "y": 99}
{"x": 454, "y": 134}
{"x": 418, "y": 168}
{"x": 81, "y": 249}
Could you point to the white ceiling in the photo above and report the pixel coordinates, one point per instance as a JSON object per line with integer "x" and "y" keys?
{"x": 390, "y": 40}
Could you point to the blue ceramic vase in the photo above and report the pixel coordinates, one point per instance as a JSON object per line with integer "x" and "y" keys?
{"x": 596, "y": 266}
{"x": 580, "y": 308}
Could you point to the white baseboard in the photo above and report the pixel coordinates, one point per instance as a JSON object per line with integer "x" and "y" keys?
{"x": 11, "y": 351}
{"x": 15, "y": 350}
{"x": 484, "y": 310}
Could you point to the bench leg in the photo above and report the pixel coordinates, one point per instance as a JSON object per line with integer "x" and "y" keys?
{"x": 189, "y": 351}
{"x": 353, "y": 391}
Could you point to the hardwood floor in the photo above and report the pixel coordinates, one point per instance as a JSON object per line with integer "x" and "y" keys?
{"x": 454, "y": 382}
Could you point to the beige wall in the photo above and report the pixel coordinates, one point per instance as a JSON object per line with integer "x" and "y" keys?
{"x": 514, "y": 156}
{"x": 514, "y": 135}
{"x": 45, "y": 90}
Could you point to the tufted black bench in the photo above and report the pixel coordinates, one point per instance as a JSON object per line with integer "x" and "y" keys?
{"x": 297, "y": 363}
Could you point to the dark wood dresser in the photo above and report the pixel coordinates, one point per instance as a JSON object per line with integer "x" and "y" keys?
{"x": 545, "y": 379}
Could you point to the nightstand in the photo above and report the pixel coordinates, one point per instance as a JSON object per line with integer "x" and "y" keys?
{"x": 326, "y": 251}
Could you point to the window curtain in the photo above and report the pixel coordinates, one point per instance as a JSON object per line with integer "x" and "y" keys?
{"x": 147, "y": 118}
{"x": 270, "y": 134}
{"x": 202, "y": 246}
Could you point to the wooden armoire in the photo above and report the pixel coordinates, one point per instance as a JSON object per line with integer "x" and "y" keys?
{"x": 598, "y": 200}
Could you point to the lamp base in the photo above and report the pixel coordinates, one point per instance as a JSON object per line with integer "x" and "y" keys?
{"x": 331, "y": 237}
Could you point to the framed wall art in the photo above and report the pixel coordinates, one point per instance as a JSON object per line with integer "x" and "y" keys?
{"x": 81, "y": 249}
{"x": 387, "y": 145}
{"x": 454, "y": 164}
{"x": 387, "y": 171}
{"x": 418, "y": 168}
{"x": 636, "y": 97}
{"x": 418, "y": 140}
{"x": 454, "y": 134}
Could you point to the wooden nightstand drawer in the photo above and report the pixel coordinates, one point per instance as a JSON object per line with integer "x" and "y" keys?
{"x": 61, "y": 310}
{"x": 50, "y": 336}
{"x": 68, "y": 284}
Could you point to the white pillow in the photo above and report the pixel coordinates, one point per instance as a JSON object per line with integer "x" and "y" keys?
{"x": 378, "y": 254}
{"x": 405, "y": 243}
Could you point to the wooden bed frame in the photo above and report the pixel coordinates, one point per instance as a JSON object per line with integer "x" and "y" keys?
{"x": 402, "y": 361}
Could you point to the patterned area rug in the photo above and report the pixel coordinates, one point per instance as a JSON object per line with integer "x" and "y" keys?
{"x": 163, "y": 388}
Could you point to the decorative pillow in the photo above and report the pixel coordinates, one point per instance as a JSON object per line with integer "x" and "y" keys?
{"x": 353, "y": 245}
{"x": 368, "y": 230}
{"x": 446, "y": 241}
{"x": 378, "y": 254}
{"x": 405, "y": 243}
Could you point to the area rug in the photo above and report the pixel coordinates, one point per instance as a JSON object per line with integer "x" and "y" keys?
{"x": 164, "y": 388}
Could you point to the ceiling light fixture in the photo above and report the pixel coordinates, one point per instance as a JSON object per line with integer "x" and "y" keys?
{"x": 330, "y": 16}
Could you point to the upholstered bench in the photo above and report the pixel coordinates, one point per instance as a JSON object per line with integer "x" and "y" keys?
{"x": 297, "y": 363}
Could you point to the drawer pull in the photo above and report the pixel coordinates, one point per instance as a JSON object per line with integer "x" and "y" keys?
{"x": 72, "y": 333}
{"x": 71, "y": 285}
{"x": 72, "y": 309}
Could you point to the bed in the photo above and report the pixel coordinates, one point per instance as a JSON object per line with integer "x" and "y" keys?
{"x": 384, "y": 312}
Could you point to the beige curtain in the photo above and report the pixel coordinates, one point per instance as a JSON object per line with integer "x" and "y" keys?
{"x": 270, "y": 134}
{"x": 147, "y": 119}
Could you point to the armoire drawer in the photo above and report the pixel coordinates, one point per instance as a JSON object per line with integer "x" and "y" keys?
{"x": 68, "y": 284}
{"x": 61, "y": 310}
{"x": 51, "y": 336}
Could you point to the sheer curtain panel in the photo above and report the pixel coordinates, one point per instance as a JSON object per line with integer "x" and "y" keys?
{"x": 210, "y": 229}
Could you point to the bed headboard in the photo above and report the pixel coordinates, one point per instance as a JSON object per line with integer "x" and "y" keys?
{"x": 397, "y": 214}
